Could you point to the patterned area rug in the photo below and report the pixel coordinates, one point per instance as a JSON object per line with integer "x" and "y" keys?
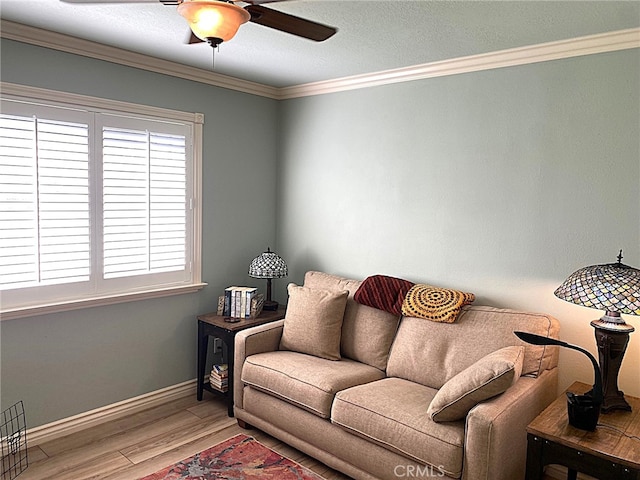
{"x": 238, "y": 458}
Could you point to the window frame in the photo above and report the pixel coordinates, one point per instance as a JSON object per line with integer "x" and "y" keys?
{"x": 52, "y": 98}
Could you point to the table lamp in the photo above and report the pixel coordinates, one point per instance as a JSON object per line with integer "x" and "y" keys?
{"x": 583, "y": 410}
{"x": 268, "y": 265}
{"x": 614, "y": 288}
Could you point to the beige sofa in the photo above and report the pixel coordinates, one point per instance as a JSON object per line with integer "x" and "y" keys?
{"x": 370, "y": 414}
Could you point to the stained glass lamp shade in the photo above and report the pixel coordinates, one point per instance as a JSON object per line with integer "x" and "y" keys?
{"x": 614, "y": 288}
{"x": 268, "y": 265}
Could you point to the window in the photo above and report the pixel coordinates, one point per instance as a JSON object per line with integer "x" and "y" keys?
{"x": 96, "y": 205}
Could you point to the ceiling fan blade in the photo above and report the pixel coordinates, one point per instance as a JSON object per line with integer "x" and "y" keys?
{"x": 259, "y": 2}
{"x": 164, "y": 2}
{"x": 289, "y": 23}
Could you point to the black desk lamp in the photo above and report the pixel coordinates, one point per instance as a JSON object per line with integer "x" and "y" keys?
{"x": 584, "y": 410}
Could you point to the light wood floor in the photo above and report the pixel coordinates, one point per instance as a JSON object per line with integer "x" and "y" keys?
{"x": 148, "y": 441}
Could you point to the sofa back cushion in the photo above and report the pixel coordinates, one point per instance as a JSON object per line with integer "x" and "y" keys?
{"x": 431, "y": 353}
{"x": 367, "y": 333}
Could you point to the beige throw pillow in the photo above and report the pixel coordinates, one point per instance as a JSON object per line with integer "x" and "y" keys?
{"x": 488, "y": 377}
{"x": 313, "y": 321}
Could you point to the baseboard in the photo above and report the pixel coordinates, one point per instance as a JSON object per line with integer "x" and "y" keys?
{"x": 66, "y": 426}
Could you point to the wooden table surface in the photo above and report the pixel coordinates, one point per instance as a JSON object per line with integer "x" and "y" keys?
{"x": 616, "y": 438}
{"x": 265, "y": 316}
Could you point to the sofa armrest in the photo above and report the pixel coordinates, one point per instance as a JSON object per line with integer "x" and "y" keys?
{"x": 259, "y": 339}
{"x": 499, "y": 425}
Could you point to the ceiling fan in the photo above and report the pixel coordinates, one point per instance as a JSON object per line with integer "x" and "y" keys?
{"x": 217, "y": 21}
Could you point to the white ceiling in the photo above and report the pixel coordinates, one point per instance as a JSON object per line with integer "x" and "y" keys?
{"x": 373, "y": 35}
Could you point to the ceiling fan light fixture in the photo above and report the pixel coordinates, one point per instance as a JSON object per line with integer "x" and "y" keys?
{"x": 213, "y": 20}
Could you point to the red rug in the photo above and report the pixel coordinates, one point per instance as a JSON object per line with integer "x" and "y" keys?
{"x": 238, "y": 458}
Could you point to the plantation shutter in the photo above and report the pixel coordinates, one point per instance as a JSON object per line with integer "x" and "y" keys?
{"x": 44, "y": 201}
{"x": 99, "y": 201}
{"x": 144, "y": 202}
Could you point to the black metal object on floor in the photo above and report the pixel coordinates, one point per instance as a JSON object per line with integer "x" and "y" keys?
{"x": 13, "y": 441}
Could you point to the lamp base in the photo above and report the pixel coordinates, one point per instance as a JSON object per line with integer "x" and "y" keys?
{"x": 270, "y": 305}
{"x": 615, "y": 402}
{"x": 583, "y": 411}
{"x": 612, "y": 338}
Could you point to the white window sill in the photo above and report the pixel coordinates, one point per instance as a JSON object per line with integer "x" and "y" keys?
{"x": 30, "y": 311}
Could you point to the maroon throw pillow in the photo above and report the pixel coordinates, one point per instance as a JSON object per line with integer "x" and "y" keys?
{"x": 383, "y": 292}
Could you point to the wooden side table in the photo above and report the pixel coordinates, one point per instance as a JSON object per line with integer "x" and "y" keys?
{"x": 214, "y": 325}
{"x": 611, "y": 452}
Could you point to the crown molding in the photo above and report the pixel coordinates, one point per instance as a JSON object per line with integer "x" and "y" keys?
{"x": 574, "y": 47}
{"x": 65, "y": 43}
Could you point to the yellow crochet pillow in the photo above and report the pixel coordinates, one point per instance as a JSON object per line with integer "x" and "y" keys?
{"x": 434, "y": 303}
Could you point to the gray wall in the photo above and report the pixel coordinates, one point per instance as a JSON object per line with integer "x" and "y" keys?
{"x": 67, "y": 363}
{"x": 501, "y": 183}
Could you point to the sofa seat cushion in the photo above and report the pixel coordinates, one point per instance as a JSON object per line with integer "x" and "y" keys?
{"x": 393, "y": 413}
{"x": 304, "y": 380}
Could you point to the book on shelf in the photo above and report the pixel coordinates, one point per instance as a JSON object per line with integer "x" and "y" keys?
{"x": 222, "y": 387}
{"x": 219, "y": 377}
{"x": 257, "y": 302}
{"x": 237, "y": 301}
{"x": 220, "y": 369}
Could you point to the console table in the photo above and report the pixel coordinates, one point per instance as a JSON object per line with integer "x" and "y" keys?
{"x": 611, "y": 452}
{"x": 213, "y": 325}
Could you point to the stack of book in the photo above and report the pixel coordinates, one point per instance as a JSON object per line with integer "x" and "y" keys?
{"x": 219, "y": 377}
{"x": 237, "y": 301}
